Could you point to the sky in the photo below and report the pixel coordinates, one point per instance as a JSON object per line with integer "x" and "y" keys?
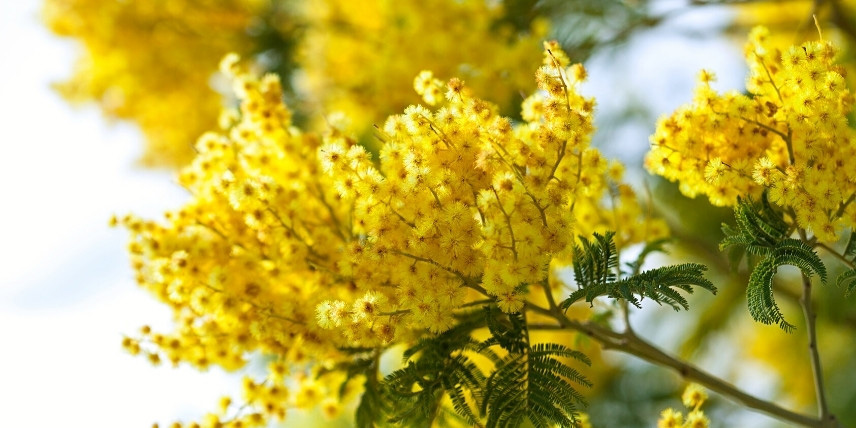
{"x": 67, "y": 293}
{"x": 66, "y": 290}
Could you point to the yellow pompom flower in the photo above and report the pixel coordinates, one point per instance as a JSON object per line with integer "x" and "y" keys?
{"x": 696, "y": 419}
{"x": 360, "y": 57}
{"x": 670, "y": 418}
{"x": 694, "y": 396}
{"x": 790, "y": 137}
{"x": 150, "y": 62}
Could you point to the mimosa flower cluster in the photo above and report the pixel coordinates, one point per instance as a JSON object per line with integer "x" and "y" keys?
{"x": 359, "y": 57}
{"x": 789, "y": 136}
{"x": 145, "y": 61}
{"x": 296, "y": 246}
{"x": 693, "y": 398}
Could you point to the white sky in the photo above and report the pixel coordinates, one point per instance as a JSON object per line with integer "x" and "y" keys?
{"x": 66, "y": 289}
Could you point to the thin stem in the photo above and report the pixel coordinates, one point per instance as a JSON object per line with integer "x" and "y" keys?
{"x": 539, "y": 326}
{"x": 808, "y": 312}
{"x": 836, "y": 254}
{"x": 625, "y": 311}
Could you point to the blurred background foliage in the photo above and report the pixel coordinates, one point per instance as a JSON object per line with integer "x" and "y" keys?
{"x": 154, "y": 63}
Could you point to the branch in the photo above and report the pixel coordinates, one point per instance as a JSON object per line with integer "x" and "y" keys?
{"x": 826, "y": 418}
{"x": 629, "y": 343}
{"x": 836, "y": 254}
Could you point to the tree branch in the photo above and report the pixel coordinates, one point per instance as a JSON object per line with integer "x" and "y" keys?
{"x": 629, "y": 343}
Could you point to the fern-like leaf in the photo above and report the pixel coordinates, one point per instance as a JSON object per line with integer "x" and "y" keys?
{"x": 797, "y": 253}
{"x": 759, "y": 227}
{"x": 437, "y": 366}
{"x": 661, "y": 284}
{"x": 531, "y": 383}
{"x": 762, "y": 231}
{"x": 762, "y": 305}
{"x": 595, "y": 261}
{"x": 847, "y": 279}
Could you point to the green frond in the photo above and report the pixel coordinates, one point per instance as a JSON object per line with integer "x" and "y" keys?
{"x": 660, "y": 284}
{"x": 759, "y": 227}
{"x": 530, "y": 383}
{"x": 534, "y": 388}
{"x": 847, "y": 279}
{"x": 558, "y": 350}
{"x": 437, "y": 366}
{"x": 762, "y": 231}
{"x": 762, "y": 305}
{"x": 460, "y": 404}
{"x": 733, "y": 237}
{"x": 596, "y": 260}
{"x": 797, "y": 253}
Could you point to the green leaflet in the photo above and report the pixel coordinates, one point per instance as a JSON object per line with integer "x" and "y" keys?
{"x": 847, "y": 279}
{"x": 436, "y": 366}
{"x": 530, "y": 383}
{"x": 595, "y": 271}
{"x": 761, "y": 231}
{"x": 758, "y": 227}
{"x": 759, "y": 294}
{"x": 595, "y": 261}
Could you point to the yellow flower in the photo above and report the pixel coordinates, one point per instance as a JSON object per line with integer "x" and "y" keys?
{"x": 694, "y": 396}
{"x": 510, "y": 302}
{"x": 394, "y": 41}
{"x": 670, "y": 418}
{"x": 150, "y": 62}
{"x": 788, "y": 138}
{"x": 697, "y": 419}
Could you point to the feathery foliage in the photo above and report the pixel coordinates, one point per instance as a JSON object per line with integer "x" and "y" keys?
{"x": 759, "y": 227}
{"x": 848, "y": 277}
{"x": 530, "y": 382}
{"x": 596, "y": 273}
{"x": 435, "y": 366}
{"x": 762, "y": 231}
